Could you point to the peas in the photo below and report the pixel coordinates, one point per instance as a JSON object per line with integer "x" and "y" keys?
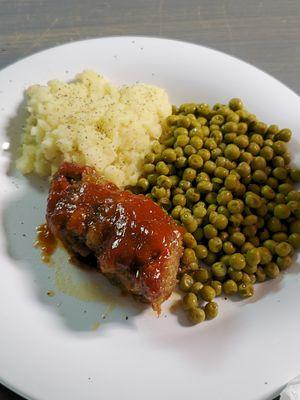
{"x": 202, "y": 275}
{"x": 267, "y": 153}
{"x": 195, "y": 161}
{"x": 188, "y": 256}
{"x": 284, "y": 262}
{"x": 246, "y": 290}
{"x": 265, "y": 255}
{"x": 189, "y": 174}
{"x": 259, "y": 176}
{"x": 253, "y": 200}
{"x": 196, "y": 315}
{"x": 272, "y": 270}
{"x": 211, "y": 310}
{"x": 236, "y": 104}
{"x": 224, "y": 197}
{"x": 237, "y": 261}
{"x": 221, "y": 222}
{"x": 189, "y": 240}
{"x": 196, "y": 287}
{"x": 283, "y": 249}
{"x": 189, "y": 301}
{"x": 232, "y": 152}
{"x": 282, "y": 211}
{"x": 204, "y": 186}
{"x": 219, "y": 270}
{"x": 210, "y": 231}
{"x": 217, "y": 286}
{"x": 208, "y": 293}
{"x": 162, "y": 168}
{"x": 225, "y": 176}
{"x": 215, "y": 245}
{"x": 230, "y": 287}
{"x": 279, "y": 147}
{"x": 179, "y": 200}
{"x": 295, "y": 174}
{"x": 169, "y": 155}
{"x": 186, "y": 282}
{"x": 294, "y": 240}
{"x": 192, "y": 195}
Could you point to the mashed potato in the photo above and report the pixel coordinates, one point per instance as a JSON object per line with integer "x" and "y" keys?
{"x": 90, "y": 121}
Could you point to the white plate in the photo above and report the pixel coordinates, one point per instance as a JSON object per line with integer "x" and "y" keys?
{"x": 48, "y": 347}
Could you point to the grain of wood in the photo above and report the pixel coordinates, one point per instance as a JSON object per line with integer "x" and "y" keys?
{"x": 263, "y": 32}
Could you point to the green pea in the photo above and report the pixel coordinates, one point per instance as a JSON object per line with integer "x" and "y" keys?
{"x": 221, "y": 221}
{"x": 189, "y": 301}
{"x": 224, "y": 197}
{"x": 267, "y": 153}
{"x": 204, "y": 154}
{"x": 221, "y": 172}
{"x": 217, "y": 286}
{"x": 162, "y": 168}
{"x": 232, "y": 152}
{"x": 231, "y": 182}
{"x": 204, "y": 186}
{"x": 272, "y": 270}
{"x": 189, "y": 174}
{"x": 210, "y": 144}
{"x": 169, "y": 155}
{"x": 259, "y": 176}
{"x": 211, "y": 310}
{"x": 189, "y": 240}
{"x": 235, "y": 206}
{"x": 143, "y": 184}
{"x": 284, "y": 135}
{"x": 293, "y": 195}
{"x": 188, "y": 256}
{"x": 181, "y": 162}
{"x": 179, "y": 199}
{"x": 274, "y": 224}
{"x": 237, "y": 261}
{"x": 207, "y": 293}
{"x": 215, "y": 245}
{"x": 230, "y": 287}
{"x": 283, "y": 249}
{"x": 210, "y": 231}
{"x": 265, "y": 255}
{"x": 253, "y": 200}
{"x": 192, "y": 195}
{"x": 260, "y": 275}
{"x": 295, "y": 174}
{"x": 186, "y": 282}
{"x": 196, "y": 315}
{"x": 270, "y": 245}
{"x": 284, "y": 262}
{"x": 282, "y": 211}
{"x": 246, "y": 290}
{"x": 196, "y": 142}
{"x": 280, "y": 236}
{"x": 164, "y": 181}
{"x": 294, "y": 240}
{"x": 219, "y": 270}
{"x": 253, "y": 148}
{"x": 279, "y": 147}
{"x": 182, "y": 141}
{"x": 202, "y": 275}
{"x": 238, "y": 238}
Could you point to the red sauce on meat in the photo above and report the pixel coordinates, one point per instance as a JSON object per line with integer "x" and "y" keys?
{"x": 125, "y": 232}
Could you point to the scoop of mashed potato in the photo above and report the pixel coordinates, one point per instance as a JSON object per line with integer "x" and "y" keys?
{"x": 90, "y": 121}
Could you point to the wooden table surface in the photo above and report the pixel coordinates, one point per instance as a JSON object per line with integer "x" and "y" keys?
{"x": 263, "y": 32}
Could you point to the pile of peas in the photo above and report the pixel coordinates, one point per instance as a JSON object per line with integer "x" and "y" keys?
{"x": 226, "y": 177}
